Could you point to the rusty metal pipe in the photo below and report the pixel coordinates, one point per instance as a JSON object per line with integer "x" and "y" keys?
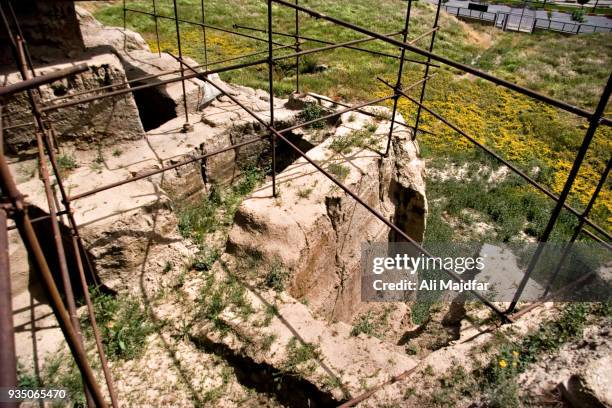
{"x": 318, "y": 40}
{"x": 163, "y": 169}
{"x": 37, "y": 81}
{"x": 8, "y": 360}
{"x": 49, "y": 108}
{"x": 22, "y": 220}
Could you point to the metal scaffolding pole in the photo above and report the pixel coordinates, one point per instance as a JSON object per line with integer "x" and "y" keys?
{"x": 8, "y": 360}
{"x": 297, "y": 49}
{"x": 431, "y": 47}
{"x": 578, "y": 229}
{"x": 204, "y": 34}
{"x": 586, "y": 142}
{"x": 271, "y": 91}
{"x": 186, "y": 126}
{"x": 350, "y": 47}
{"x": 398, "y": 83}
{"x": 156, "y": 27}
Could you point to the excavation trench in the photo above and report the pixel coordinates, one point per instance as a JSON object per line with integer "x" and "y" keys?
{"x": 289, "y": 389}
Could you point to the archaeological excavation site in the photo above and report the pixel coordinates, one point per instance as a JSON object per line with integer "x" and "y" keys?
{"x": 283, "y": 203}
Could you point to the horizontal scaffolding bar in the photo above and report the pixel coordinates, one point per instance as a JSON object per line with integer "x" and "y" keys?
{"x": 118, "y": 92}
{"x": 463, "y": 67}
{"x": 349, "y": 109}
{"x": 36, "y": 81}
{"x": 318, "y": 40}
{"x": 345, "y": 44}
{"x": 163, "y": 169}
{"x": 501, "y": 160}
{"x": 196, "y": 23}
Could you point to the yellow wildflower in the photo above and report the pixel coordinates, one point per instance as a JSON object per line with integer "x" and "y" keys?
{"x": 503, "y": 363}
{"x": 515, "y": 354}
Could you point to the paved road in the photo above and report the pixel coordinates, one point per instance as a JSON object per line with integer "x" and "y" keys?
{"x": 600, "y": 21}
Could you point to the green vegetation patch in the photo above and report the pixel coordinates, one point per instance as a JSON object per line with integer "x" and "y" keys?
{"x": 359, "y": 139}
{"x": 216, "y": 296}
{"x": 531, "y": 135}
{"x": 216, "y": 211}
{"x": 301, "y": 357}
{"x": 313, "y": 111}
{"x": 338, "y": 170}
{"x": 124, "y": 325}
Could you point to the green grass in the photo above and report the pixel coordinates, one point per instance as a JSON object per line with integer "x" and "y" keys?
{"x": 365, "y": 324}
{"x": 216, "y": 296}
{"x": 529, "y": 134}
{"x": 216, "y": 210}
{"x": 300, "y": 357}
{"x": 313, "y": 111}
{"x": 359, "y": 139}
{"x": 205, "y": 258}
{"x": 277, "y": 277}
{"x": 371, "y": 324}
{"x": 66, "y": 162}
{"x": 124, "y": 325}
{"x": 58, "y": 371}
{"x": 338, "y": 170}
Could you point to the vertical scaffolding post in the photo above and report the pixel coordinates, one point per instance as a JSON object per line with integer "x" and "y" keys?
{"x": 586, "y": 142}
{"x": 79, "y": 248}
{"x": 33, "y": 247}
{"x": 578, "y": 229}
{"x": 156, "y": 27}
{"x": 55, "y": 226}
{"x": 30, "y": 240}
{"x": 44, "y": 142}
{"x": 398, "y": 83}
{"x": 8, "y": 361}
{"x": 271, "y": 84}
{"x": 431, "y": 47}
{"x": 124, "y": 27}
{"x": 186, "y": 125}
{"x": 204, "y": 34}
{"x": 23, "y": 39}
{"x": 297, "y": 49}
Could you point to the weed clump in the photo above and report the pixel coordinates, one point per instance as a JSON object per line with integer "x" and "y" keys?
{"x": 124, "y": 325}
{"x": 66, "y": 163}
{"x": 216, "y": 296}
{"x": 363, "y": 138}
{"x": 205, "y": 259}
{"x": 338, "y": 170}
{"x": 217, "y": 209}
{"x": 313, "y": 111}
{"x": 370, "y": 324}
{"x": 298, "y": 355}
{"x": 277, "y": 277}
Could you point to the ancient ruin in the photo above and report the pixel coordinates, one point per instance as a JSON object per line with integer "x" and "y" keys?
{"x": 231, "y": 223}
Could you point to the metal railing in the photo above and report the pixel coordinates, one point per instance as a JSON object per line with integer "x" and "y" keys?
{"x": 525, "y": 23}
{"x": 15, "y": 206}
